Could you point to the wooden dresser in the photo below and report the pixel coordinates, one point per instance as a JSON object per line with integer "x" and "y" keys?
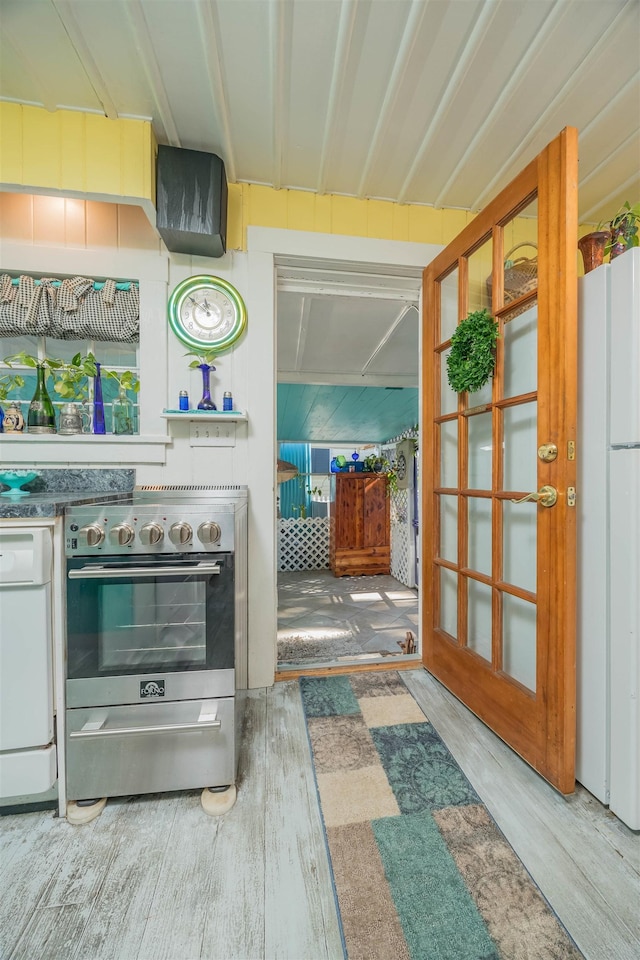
{"x": 360, "y": 540}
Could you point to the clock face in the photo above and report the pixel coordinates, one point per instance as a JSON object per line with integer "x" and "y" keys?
{"x": 206, "y": 312}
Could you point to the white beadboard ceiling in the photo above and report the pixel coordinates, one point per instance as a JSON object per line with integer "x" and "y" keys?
{"x": 419, "y": 101}
{"x": 437, "y": 102}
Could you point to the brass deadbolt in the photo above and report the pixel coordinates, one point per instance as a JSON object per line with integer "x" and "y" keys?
{"x": 548, "y": 452}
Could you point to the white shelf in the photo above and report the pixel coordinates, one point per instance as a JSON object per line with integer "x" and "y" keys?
{"x": 216, "y": 416}
{"x": 82, "y": 448}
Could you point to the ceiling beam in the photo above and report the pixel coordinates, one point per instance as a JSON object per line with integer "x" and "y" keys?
{"x": 632, "y": 181}
{"x": 599, "y": 167}
{"x": 320, "y": 378}
{"x": 303, "y": 329}
{"x": 576, "y": 79}
{"x": 409, "y": 39}
{"x": 213, "y": 55}
{"x": 462, "y": 64}
{"x": 346, "y": 25}
{"x": 549, "y": 24}
{"x": 281, "y": 31}
{"x": 149, "y": 63}
{"x": 64, "y": 9}
{"x": 325, "y": 288}
{"x": 394, "y": 326}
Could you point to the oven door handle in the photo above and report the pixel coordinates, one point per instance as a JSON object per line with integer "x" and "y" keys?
{"x": 136, "y": 731}
{"x": 99, "y": 572}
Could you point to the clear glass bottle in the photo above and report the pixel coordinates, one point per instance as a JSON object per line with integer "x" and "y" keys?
{"x": 41, "y": 417}
{"x": 122, "y": 412}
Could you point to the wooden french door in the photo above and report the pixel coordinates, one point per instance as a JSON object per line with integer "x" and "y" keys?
{"x": 499, "y": 576}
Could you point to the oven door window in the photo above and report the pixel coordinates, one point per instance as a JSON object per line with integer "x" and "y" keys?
{"x": 142, "y": 614}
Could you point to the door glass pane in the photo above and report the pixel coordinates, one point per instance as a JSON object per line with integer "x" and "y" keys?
{"x": 479, "y": 271}
{"x": 449, "y": 528}
{"x": 449, "y": 454}
{"x": 479, "y": 618}
{"x": 519, "y": 529}
{"x": 448, "y": 305}
{"x": 519, "y": 640}
{"x": 521, "y": 254}
{"x": 479, "y": 535}
{"x": 480, "y": 452}
{"x": 520, "y": 447}
{"x": 448, "y": 397}
{"x": 449, "y": 601}
{"x": 521, "y": 353}
{"x": 481, "y": 396}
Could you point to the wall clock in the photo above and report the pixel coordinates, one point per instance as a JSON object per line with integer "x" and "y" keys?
{"x": 207, "y": 313}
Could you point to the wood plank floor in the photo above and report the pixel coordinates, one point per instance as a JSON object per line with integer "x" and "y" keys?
{"x": 154, "y": 878}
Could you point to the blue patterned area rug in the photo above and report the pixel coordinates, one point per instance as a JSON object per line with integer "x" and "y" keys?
{"x": 421, "y": 870}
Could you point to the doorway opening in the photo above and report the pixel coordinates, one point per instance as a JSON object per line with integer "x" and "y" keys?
{"x": 348, "y": 362}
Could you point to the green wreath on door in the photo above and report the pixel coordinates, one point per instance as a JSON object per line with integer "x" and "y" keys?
{"x": 472, "y": 359}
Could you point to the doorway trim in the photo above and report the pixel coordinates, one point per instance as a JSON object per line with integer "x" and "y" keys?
{"x": 264, "y": 245}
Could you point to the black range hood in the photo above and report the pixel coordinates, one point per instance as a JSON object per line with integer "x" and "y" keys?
{"x": 191, "y": 201}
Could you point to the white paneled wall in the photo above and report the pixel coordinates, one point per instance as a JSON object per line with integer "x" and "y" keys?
{"x": 120, "y": 243}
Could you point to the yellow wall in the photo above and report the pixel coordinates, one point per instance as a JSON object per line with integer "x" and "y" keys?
{"x": 253, "y": 205}
{"x": 71, "y": 153}
{"x": 81, "y": 155}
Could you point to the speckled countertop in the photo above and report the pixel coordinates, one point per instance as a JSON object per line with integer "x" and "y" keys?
{"x": 53, "y": 490}
{"x": 50, "y": 504}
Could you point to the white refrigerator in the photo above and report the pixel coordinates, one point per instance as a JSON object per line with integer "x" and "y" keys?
{"x": 608, "y": 503}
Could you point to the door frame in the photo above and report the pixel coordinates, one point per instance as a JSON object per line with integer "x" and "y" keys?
{"x": 264, "y": 246}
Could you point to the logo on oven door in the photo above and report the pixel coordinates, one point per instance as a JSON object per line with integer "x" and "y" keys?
{"x": 151, "y": 688}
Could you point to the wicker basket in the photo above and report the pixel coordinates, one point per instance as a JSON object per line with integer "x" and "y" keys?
{"x": 521, "y": 277}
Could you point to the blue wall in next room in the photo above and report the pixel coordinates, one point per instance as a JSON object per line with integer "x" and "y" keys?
{"x": 329, "y": 414}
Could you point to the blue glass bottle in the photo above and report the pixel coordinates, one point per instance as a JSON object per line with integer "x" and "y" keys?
{"x": 206, "y": 403}
{"x": 98, "y": 403}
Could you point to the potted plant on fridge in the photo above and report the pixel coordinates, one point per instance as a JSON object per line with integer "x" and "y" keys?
{"x": 623, "y": 230}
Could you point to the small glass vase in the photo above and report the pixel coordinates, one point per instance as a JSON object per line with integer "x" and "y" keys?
{"x": 98, "y": 403}
{"x": 206, "y": 403}
{"x": 122, "y": 411}
{"x": 41, "y": 417}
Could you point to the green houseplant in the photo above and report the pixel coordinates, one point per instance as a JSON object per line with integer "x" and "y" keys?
{"x": 71, "y": 382}
{"x": 9, "y": 382}
{"x": 623, "y": 229}
{"x": 71, "y": 377}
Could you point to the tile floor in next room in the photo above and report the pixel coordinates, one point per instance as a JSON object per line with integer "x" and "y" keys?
{"x": 322, "y": 618}
{"x": 154, "y": 878}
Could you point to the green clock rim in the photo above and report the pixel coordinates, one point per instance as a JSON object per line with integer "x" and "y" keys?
{"x": 205, "y": 280}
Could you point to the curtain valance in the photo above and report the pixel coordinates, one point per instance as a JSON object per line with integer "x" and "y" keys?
{"x": 73, "y": 309}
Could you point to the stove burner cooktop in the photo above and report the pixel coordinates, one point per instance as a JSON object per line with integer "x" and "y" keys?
{"x": 157, "y": 519}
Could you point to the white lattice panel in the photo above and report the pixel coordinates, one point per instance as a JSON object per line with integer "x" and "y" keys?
{"x": 303, "y": 544}
{"x": 401, "y": 533}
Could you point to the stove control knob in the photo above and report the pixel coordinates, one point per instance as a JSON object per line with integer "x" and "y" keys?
{"x": 180, "y": 533}
{"x": 121, "y": 535}
{"x": 151, "y": 534}
{"x": 91, "y": 536}
{"x": 209, "y": 532}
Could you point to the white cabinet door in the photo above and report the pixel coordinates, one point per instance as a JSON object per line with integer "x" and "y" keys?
{"x": 27, "y": 757}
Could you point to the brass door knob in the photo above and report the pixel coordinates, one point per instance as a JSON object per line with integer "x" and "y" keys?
{"x": 546, "y": 496}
